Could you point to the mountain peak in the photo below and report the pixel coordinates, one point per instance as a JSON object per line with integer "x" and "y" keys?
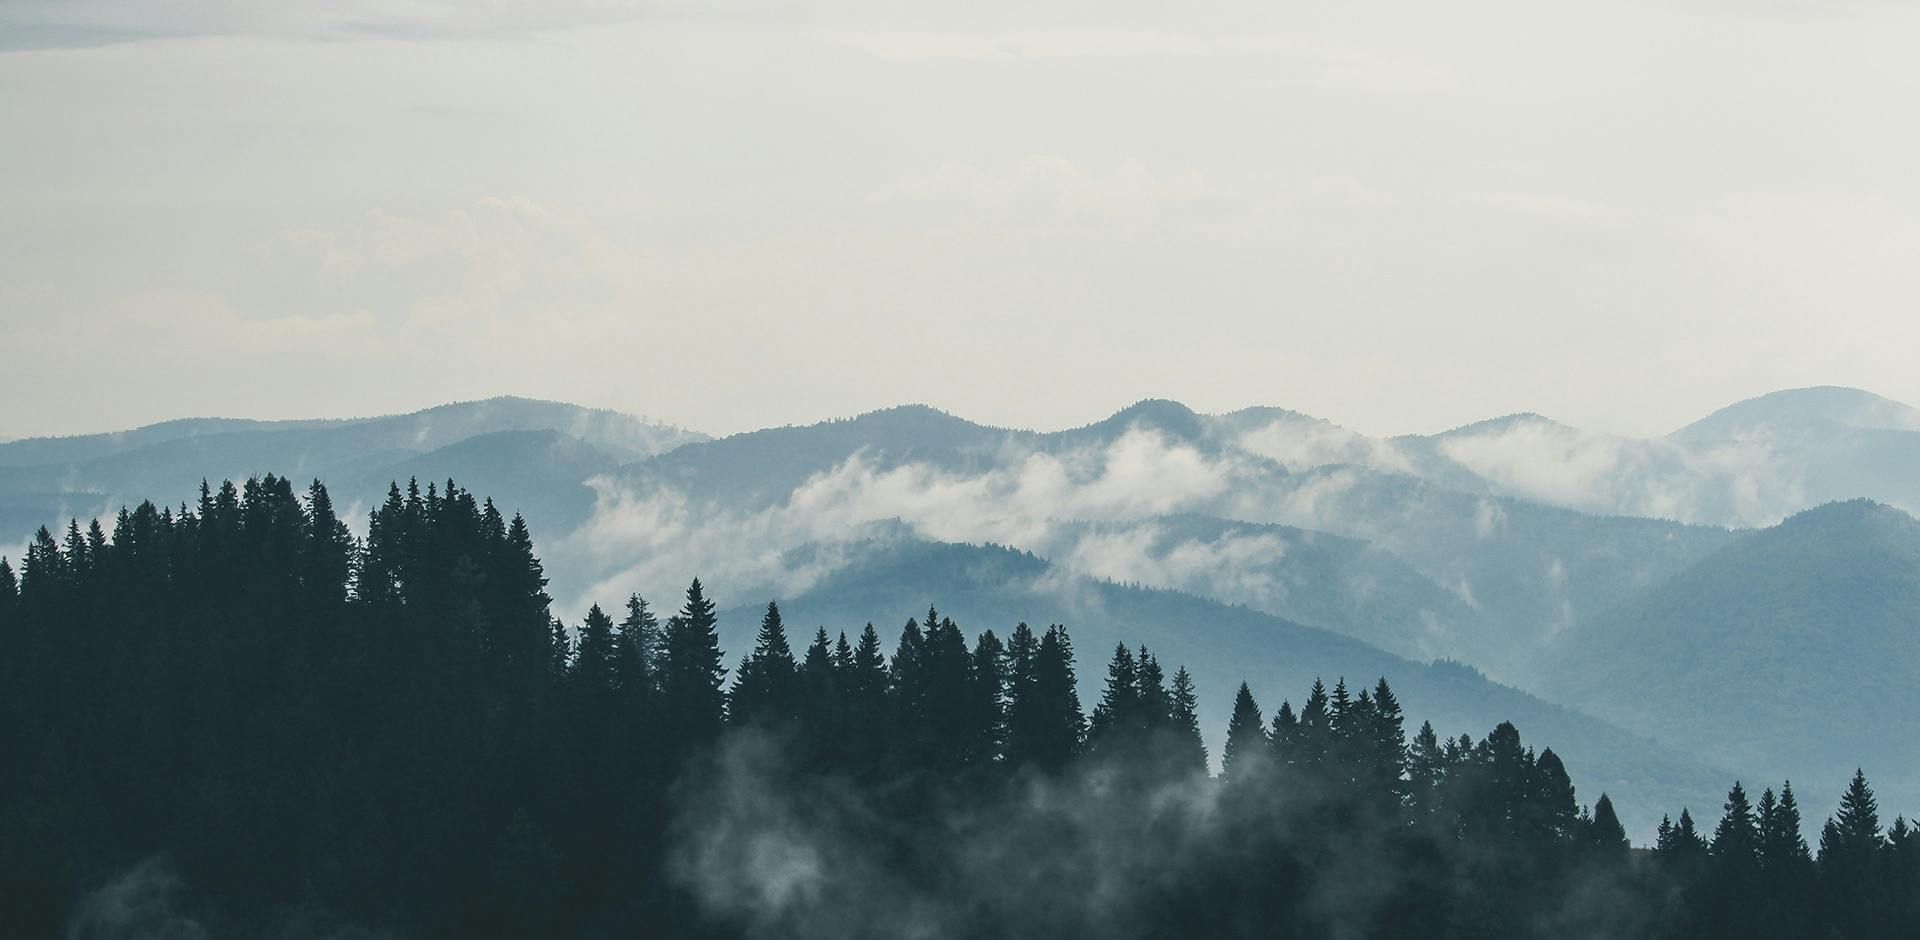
{"x": 1158, "y": 414}
{"x": 1521, "y": 419}
{"x": 1819, "y": 407}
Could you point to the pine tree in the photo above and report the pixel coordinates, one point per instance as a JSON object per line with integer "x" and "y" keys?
{"x": 1315, "y": 738}
{"x": 865, "y": 696}
{"x": 596, "y": 658}
{"x": 329, "y": 551}
{"x": 1246, "y": 739}
{"x": 1150, "y": 682}
{"x": 1850, "y": 846}
{"x": 691, "y": 674}
{"x": 1386, "y": 751}
{"x": 1552, "y": 813}
{"x": 1734, "y": 885}
{"x": 1116, "y": 716}
{"x": 1605, "y": 840}
{"x": 1856, "y": 828}
{"x": 1190, "y": 751}
{"x": 1782, "y": 847}
{"x": 989, "y": 699}
{"x": 9, "y": 593}
{"x": 1045, "y": 723}
{"x": 1736, "y": 840}
{"x": 949, "y": 714}
{"x": 1426, "y": 766}
{"x": 637, "y": 648}
{"x": 559, "y": 651}
{"x": 765, "y": 687}
{"x": 1283, "y": 737}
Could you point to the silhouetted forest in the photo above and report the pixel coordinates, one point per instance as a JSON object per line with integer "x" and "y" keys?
{"x": 234, "y": 718}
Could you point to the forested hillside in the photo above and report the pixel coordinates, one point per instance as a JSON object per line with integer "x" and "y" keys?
{"x": 233, "y": 718}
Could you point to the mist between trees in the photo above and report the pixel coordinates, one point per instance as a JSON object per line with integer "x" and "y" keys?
{"x": 233, "y": 718}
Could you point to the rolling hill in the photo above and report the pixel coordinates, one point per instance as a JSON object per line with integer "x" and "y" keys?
{"x": 1793, "y": 651}
{"x": 993, "y": 588}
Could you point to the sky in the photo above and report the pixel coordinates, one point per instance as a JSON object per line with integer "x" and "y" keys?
{"x": 729, "y": 215}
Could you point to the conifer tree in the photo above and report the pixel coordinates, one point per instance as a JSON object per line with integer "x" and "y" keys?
{"x": 596, "y": 658}
{"x": 1045, "y": 723}
{"x": 1283, "y": 737}
{"x": 1426, "y": 765}
{"x": 1550, "y": 806}
{"x": 1386, "y": 751}
{"x": 1246, "y": 738}
{"x": 1150, "y": 681}
{"x": 559, "y": 651}
{"x": 637, "y": 646}
{"x": 1605, "y": 839}
{"x": 9, "y": 592}
{"x": 765, "y": 687}
{"x": 1189, "y": 751}
{"x": 1850, "y": 846}
{"x": 864, "y": 685}
{"x": 1316, "y": 729}
{"x": 1783, "y": 848}
{"x": 691, "y": 673}
{"x": 989, "y": 699}
{"x": 328, "y": 564}
{"x": 1116, "y": 715}
{"x": 1736, "y": 840}
{"x": 1734, "y": 892}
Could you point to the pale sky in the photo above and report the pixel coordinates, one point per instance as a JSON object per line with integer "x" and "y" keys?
{"x": 1398, "y": 216}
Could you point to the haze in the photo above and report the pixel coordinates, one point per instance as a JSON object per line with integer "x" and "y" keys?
{"x": 1401, "y": 217}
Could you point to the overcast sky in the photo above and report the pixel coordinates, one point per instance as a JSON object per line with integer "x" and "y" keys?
{"x": 1399, "y": 216}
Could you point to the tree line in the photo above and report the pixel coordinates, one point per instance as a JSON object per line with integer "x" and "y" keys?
{"x": 396, "y": 732}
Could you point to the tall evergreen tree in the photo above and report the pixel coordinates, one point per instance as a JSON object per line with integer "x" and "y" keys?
{"x": 1850, "y": 846}
{"x": 766, "y": 687}
{"x": 691, "y": 675}
{"x": 1606, "y": 839}
{"x": 1190, "y": 751}
{"x": 596, "y": 662}
{"x": 1045, "y": 723}
{"x": 1426, "y": 766}
{"x": 1116, "y": 716}
{"x": 989, "y": 699}
{"x": 1246, "y": 738}
{"x": 637, "y": 646}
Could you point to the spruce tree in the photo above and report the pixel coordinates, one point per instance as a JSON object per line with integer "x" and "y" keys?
{"x": 637, "y": 646}
{"x": 1150, "y": 682}
{"x": 1283, "y": 737}
{"x": 1045, "y": 723}
{"x": 1551, "y": 810}
{"x": 1115, "y": 717}
{"x": 1426, "y": 765}
{"x": 1606, "y": 839}
{"x": 596, "y": 661}
{"x": 1189, "y": 751}
{"x": 864, "y": 689}
{"x": 1246, "y": 738}
{"x": 989, "y": 699}
{"x": 765, "y": 687}
{"x": 1850, "y": 846}
{"x": 691, "y": 674}
{"x": 1736, "y": 840}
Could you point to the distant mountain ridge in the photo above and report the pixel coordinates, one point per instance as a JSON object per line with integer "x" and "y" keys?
{"x": 1792, "y": 651}
{"x": 45, "y": 480}
{"x": 1526, "y": 548}
{"x": 991, "y": 587}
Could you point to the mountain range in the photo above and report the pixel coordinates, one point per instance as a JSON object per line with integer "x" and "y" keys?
{"x": 1743, "y": 589}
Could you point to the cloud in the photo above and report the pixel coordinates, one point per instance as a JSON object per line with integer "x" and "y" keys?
{"x": 658, "y": 536}
{"x": 1740, "y": 482}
